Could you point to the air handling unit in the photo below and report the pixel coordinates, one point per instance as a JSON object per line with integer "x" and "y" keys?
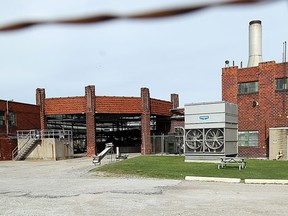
{"x": 211, "y": 130}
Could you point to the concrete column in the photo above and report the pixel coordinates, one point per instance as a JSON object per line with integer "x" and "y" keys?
{"x": 40, "y": 101}
{"x": 145, "y": 122}
{"x": 90, "y": 120}
{"x": 175, "y": 101}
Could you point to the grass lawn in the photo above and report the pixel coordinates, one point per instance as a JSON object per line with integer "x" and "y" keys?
{"x": 174, "y": 167}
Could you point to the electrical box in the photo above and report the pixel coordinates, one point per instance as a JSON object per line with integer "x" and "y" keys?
{"x": 278, "y": 146}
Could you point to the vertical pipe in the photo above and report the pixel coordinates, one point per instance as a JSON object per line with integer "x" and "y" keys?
{"x": 117, "y": 152}
{"x": 7, "y": 118}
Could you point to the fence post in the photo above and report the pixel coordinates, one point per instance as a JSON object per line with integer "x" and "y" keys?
{"x": 162, "y": 144}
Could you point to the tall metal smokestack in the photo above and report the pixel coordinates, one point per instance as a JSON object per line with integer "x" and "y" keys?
{"x": 255, "y": 43}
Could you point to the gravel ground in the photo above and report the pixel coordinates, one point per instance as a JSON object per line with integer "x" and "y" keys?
{"x": 67, "y": 188}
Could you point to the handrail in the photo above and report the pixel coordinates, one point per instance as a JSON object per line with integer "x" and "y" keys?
{"x": 43, "y": 134}
{"x": 39, "y": 134}
{"x": 29, "y": 136}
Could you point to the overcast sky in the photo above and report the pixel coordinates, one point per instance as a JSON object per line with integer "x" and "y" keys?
{"x": 183, "y": 54}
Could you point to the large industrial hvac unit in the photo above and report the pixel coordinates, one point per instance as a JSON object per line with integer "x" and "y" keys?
{"x": 211, "y": 130}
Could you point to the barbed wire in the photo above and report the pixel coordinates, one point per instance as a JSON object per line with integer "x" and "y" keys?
{"x": 147, "y": 15}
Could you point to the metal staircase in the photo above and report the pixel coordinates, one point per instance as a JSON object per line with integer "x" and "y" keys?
{"x": 32, "y": 139}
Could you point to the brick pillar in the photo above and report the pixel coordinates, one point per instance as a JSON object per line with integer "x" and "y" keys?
{"x": 40, "y": 101}
{"x": 175, "y": 101}
{"x": 90, "y": 120}
{"x": 145, "y": 122}
{"x": 230, "y": 84}
{"x": 267, "y": 105}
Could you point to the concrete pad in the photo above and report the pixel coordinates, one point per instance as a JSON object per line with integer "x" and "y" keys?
{"x": 265, "y": 181}
{"x": 212, "y": 179}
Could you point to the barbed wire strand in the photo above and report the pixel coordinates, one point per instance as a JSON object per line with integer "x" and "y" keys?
{"x": 147, "y": 15}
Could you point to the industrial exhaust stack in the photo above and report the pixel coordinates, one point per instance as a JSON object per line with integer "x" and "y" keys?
{"x": 255, "y": 43}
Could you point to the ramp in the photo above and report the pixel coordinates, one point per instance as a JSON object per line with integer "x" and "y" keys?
{"x": 108, "y": 149}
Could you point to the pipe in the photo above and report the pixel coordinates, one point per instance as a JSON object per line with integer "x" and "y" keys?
{"x": 7, "y": 118}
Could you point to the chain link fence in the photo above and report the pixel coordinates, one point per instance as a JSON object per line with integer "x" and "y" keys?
{"x": 165, "y": 144}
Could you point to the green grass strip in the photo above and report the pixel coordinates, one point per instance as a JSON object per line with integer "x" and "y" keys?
{"x": 174, "y": 167}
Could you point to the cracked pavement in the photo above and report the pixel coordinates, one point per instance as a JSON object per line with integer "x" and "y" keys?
{"x": 67, "y": 188}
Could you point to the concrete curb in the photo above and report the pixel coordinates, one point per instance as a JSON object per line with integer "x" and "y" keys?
{"x": 265, "y": 181}
{"x": 212, "y": 179}
{"x": 236, "y": 180}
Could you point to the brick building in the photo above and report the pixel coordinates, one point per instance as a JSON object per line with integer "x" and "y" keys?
{"x": 128, "y": 122}
{"x": 15, "y": 116}
{"x": 261, "y": 94}
{"x": 95, "y": 120}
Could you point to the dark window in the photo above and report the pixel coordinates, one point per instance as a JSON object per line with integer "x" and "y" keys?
{"x": 249, "y": 87}
{"x": 2, "y": 118}
{"x": 12, "y": 119}
{"x": 280, "y": 84}
{"x": 248, "y": 138}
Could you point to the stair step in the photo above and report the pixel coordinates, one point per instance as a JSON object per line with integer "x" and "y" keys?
{"x": 25, "y": 150}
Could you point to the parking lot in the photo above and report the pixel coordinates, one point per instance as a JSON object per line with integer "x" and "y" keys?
{"x": 67, "y": 188}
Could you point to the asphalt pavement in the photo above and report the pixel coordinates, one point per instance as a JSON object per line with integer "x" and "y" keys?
{"x": 67, "y": 187}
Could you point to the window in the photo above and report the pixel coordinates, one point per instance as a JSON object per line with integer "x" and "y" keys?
{"x": 280, "y": 84}
{"x": 2, "y": 120}
{"x": 12, "y": 119}
{"x": 249, "y": 87}
{"x": 248, "y": 138}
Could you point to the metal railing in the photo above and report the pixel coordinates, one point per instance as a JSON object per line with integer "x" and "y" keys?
{"x": 34, "y": 135}
{"x": 165, "y": 144}
{"x": 44, "y": 134}
{"x": 30, "y": 136}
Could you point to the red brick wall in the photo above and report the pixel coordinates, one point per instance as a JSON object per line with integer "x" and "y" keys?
{"x": 6, "y": 147}
{"x": 105, "y": 105}
{"x": 160, "y": 107}
{"x": 65, "y": 105}
{"x": 269, "y": 113}
{"x": 229, "y": 84}
{"x": 174, "y": 100}
{"x": 116, "y": 105}
{"x": 27, "y": 118}
{"x": 176, "y": 123}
